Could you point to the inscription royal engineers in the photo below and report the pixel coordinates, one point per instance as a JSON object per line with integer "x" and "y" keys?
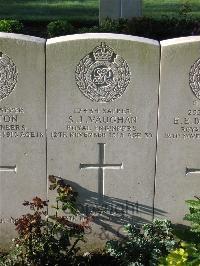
{"x": 22, "y": 127}
{"x": 102, "y": 94}
{"x": 102, "y": 122}
{"x": 12, "y": 126}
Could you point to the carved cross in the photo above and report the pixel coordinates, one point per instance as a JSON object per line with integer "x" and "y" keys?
{"x": 8, "y": 169}
{"x": 192, "y": 171}
{"x": 101, "y": 166}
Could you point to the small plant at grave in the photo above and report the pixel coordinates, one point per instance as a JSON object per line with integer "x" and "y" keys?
{"x": 48, "y": 240}
{"x": 108, "y": 25}
{"x": 59, "y": 28}
{"x": 194, "y": 215}
{"x": 11, "y": 26}
{"x": 143, "y": 246}
{"x": 185, "y": 8}
{"x": 188, "y": 251}
{"x": 187, "y": 254}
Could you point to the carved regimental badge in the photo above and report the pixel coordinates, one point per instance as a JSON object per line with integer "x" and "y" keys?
{"x": 8, "y": 75}
{"x": 102, "y": 75}
{"x": 194, "y": 78}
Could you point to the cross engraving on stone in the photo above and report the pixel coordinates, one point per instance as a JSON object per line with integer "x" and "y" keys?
{"x": 192, "y": 171}
{"x": 8, "y": 169}
{"x": 101, "y": 166}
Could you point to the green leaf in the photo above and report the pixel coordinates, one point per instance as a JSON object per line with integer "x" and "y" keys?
{"x": 193, "y": 217}
{"x": 195, "y": 204}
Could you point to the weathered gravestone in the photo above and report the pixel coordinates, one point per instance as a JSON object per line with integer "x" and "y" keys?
{"x": 102, "y": 94}
{"x": 116, "y": 9}
{"x": 131, "y": 8}
{"x": 178, "y": 160}
{"x": 109, "y": 9}
{"x": 22, "y": 127}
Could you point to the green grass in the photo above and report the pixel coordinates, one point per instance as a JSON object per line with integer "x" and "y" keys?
{"x": 83, "y": 9}
{"x": 48, "y": 9}
{"x": 158, "y": 8}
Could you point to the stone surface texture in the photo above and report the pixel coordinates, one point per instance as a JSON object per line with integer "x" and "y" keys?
{"x": 22, "y": 127}
{"x": 178, "y": 127}
{"x": 110, "y": 9}
{"x": 102, "y": 95}
{"x": 116, "y": 9}
{"x": 131, "y": 8}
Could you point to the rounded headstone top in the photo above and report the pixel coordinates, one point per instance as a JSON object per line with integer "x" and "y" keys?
{"x": 22, "y": 37}
{"x": 180, "y": 40}
{"x": 111, "y": 36}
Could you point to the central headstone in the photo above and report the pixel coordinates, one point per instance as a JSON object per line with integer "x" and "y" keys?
{"x": 102, "y": 95}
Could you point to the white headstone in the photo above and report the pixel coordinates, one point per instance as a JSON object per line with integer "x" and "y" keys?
{"x": 178, "y": 164}
{"x": 22, "y": 127}
{"x": 131, "y": 8}
{"x": 116, "y": 9}
{"x": 109, "y": 9}
{"x": 102, "y": 92}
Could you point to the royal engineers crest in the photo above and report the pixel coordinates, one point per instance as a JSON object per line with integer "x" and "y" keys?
{"x": 8, "y": 75}
{"x": 194, "y": 78}
{"x": 102, "y": 75}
